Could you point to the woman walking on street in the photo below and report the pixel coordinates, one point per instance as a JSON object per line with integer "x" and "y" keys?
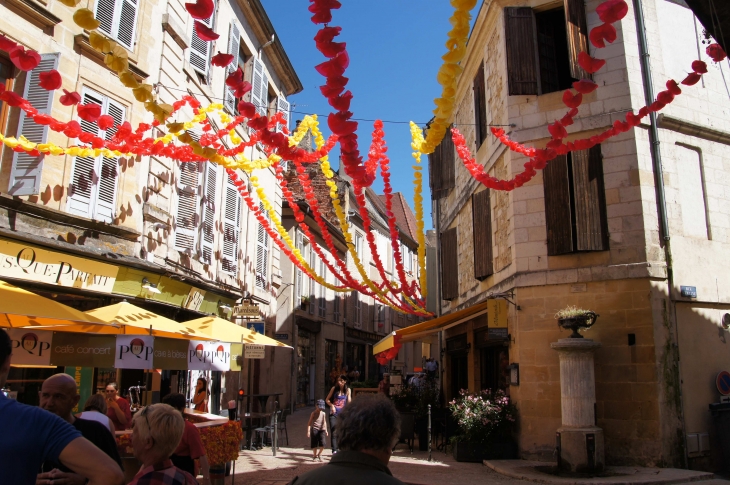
{"x": 338, "y": 397}
{"x": 201, "y": 395}
{"x": 317, "y": 430}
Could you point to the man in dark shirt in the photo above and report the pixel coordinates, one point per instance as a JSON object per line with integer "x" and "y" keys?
{"x": 366, "y": 430}
{"x": 59, "y": 396}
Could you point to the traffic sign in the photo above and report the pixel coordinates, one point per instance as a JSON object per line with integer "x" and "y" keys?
{"x": 723, "y": 382}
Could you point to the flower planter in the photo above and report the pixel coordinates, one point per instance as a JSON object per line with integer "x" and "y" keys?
{"x": 478, "y": 452}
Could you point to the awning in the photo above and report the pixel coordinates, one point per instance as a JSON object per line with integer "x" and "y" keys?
{"x": 414, "y": 332}
{"x": 218, "y": 329}
{"x": 21, "y": 308}
{"x": 134, "y": 320}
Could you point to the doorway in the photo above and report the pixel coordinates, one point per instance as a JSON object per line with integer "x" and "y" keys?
{"x": 459, "y": 373}
{"x": 494, "y": 363}
{"x": 306, "y": 357}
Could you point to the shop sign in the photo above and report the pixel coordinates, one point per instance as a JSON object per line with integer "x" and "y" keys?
{"x": 497, "y": 313}
{"x": 254, "y": 351}
{"x": 281, "y": 336}
{"x": 171, "y": 354}
{"x": 204, "y": 355}
{"x": 246, "y": 310}
{"x": 82, "y": 350}
{"x": 30, "y": 347}
{"x": 195, "y": 299}
{"x": 32, "y": 263}
{"x": 134, "y": 352}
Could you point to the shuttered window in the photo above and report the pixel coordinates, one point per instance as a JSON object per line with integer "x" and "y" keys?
{"x": 262, "y": 253}
{"x": 322, "y": 291}
{"x": 482, "y": 227}
{"x": 299, "y": 282}
{"x": 93, "y": 187}
{"x": 313, "y": 262}
{"x": 234, "y": 47}
{"x": 441, "y": 167}
{"x": 522, "y": 69}
{"x": 577, "y": 35}
{"x": 575, "y": 204}
{"x": 449, "y": 265}
{"x": 207, "y": 236}
{"x": 480, "y": 106}
{"x": 259, "y": 87}
{"x": 187, "y": 216}
{"x": 199, "y": 51}
{"x": 358, "y": 244}
{"x": 336, "y": 314}
{"x": 358, "y": 310}
{"x": 118, "y": 19}
{"x": 25, "y": 174}
{"x": 282, "y": 106}
{"x": 231, "y": 228}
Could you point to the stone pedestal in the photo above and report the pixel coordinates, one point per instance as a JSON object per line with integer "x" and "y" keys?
{"x": 581, "y": 442}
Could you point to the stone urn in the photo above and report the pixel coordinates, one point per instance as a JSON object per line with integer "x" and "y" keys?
{"x": 585, "y": 320}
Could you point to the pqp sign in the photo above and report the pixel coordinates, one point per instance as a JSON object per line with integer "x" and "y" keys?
{"x": 723, "y": 382}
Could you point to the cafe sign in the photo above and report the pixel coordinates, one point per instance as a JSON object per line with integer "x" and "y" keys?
{"x": 82, "y": 350}
{"x": 30, "y": 347}
{"x": 205, "y": 355}
{"x": 134, "y": 352}
{"x": 32, "y": 263}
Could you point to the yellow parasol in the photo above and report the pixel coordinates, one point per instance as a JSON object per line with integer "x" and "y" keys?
{"x": 218, "y": 329}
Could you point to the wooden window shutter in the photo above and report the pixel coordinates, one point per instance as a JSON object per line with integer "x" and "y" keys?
{"x": 577, "y": 34}
{"x": 441, "y": 167}
{"x": 199, "y": 52}
{"x": 186, "y": 216}
{"x": 449, "y": 265}
{"x": 591, "y": 223}
{"x": 434, "y": 173}
{"x": 234, "y": 46}
{"x": 262, "y": 253}
{"x": 231, "y": 228}
{"x": 482, "y": 227}
{"x": 480, "y": 106}
{"x": 556, "y": 186}
{"x": 207, "y": 239}
{"x": 522, "y": 68}
{"x": 282, "y": 106}
{"x": 25, "y": 174}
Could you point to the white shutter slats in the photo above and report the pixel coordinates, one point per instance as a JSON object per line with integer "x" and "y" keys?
{"x": 105, "y": 13}
{"x": 118, "y": 19}
{"x": 234, "y": 45}
{"x": 25, "y": 174}
{"x": 207, "y": 238}
{"x": 199, "y": 51}
{"x": 186, "y": 218}
{"x": 262, "y": 253}
{"x": 282, "y": 106}
{"x": 127, "y": 23}
{"x": 264, "y": 106}
{"x": 84, "y": 175}
{"x": 231, "y": 228}
{"x": 107, "y": 190}
{"x": 299, "y": 274}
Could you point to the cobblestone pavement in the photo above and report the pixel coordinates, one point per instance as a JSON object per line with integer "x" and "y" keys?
{"x": 261, "y": 468}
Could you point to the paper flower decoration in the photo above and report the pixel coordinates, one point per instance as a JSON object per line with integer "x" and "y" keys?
{"x": 204, "y": 32}
{"x": 235, "y": 78}
{"x": 127, "y": 78}
{"x": 673, "y": 87}
{"x": 589, "y": 64}
{"x": 221, "y": 59}
{"x": 716, "y": 52}
{"x": 70, "y": 3}
{"x": 692, "y": 79}
{"x": 70, "y": 99}
{"x": 50, "y": 80}
{"x": 321, "y": 10}
{"x": 89, "y": 112}
{"x": 84, "y": 18}
{"x": 602, "y": 34}
{"x": 25, "y": 60}
{"x": 6, "y": 44}
{"x": 101, "y": 42}
{"x": 247, "y": 109}
{"x": 585, "y": 86}
{"x": 323, "y": 41}
{"x": 105, "y": 122}
{"x": 201, "y": 10}
{"x": 612, "y": 11}
{"x": 241, "y": 89}
{"x": 570, "y": 100}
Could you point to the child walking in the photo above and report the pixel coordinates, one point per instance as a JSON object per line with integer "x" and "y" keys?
{"x": 317, "y": 430}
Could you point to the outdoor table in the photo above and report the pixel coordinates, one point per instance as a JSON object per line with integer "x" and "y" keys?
{"x": 264, "y": 398}
{"x": 261, "y": 417}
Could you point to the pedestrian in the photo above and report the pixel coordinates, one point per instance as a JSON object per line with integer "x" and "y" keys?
{"x": 430, "y": 368}
{"x": 31, "y": 435}
{"x": 338, "y": 397}
{"x": 367, "y": 430}
{"x": 118, "y": 408}
{"x": 200, "y": 399}
{"x": 317, "y": 430}
{"x": 95, "y": 409}
{"x": 59, "y": 396}
{"x": 384, "y": 385}
{"x": 191, "y": 446}
{"x": 354, "y": 375}
{"x": 156, "y": 432}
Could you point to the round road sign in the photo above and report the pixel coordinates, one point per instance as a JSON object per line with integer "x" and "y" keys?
{"x": 723, "y": 382}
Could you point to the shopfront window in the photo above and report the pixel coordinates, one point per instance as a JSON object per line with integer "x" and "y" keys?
{"x": 306, "y": 359}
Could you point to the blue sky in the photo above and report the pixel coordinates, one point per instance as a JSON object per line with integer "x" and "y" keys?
{"x": 395, "y": 49}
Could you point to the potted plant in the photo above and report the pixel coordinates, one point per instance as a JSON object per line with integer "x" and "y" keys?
{"x": 574, "y": 318}
{"x": 485, "y": 421}
{"x": 304, "y": 302}
{"x": 414, "y": 401}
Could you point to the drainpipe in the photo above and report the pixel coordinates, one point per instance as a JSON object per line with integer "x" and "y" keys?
{"x": 656, "y": 159}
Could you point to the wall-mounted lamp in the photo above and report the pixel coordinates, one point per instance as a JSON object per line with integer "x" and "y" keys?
{"x": 150, "y": 287}
{"x": 514, "y": 374}
{"x": 726, "y": 321}
{"x": 224, "y": 307}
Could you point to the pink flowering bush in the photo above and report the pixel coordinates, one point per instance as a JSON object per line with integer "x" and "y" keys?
{"x": 483, "y": 416}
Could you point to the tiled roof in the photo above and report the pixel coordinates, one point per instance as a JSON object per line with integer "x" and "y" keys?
{"x": 404, "y": 216}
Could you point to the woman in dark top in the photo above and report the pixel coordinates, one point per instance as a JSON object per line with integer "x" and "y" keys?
{"x": 338, "y": 397}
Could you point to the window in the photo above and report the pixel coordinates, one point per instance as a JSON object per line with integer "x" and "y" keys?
{"x": 407, "y": 256}
{"x": 380, "y": 317}
{"x": 313, "y": 263}
{"x": 282, "y": 106}
{"x": 575, "y": 204}
{"x": 118, "y": 19}
{"x": 207, "y": 239}
{"x": 187, "y": 216}
{"x": 25, "y": 174}
{"x": 480, "y": 106}
{"x": 93, "y": 187}
{"x": 449, "y": 265}
{"x": 482, "y": 230}
{"x": 299, "y": 275}
{"x": 259, "y": 94}
{"x": 358, "y": 244}
{"x": 262, "y": 253}
{"x": 234, "y": 48}
{"x": 231, "y": 228}
{"x": 199, "y": 51}
{"x": 543, "y": 47}
{"x": 336, "y": 315}
{"x": 441, "y": 167}
{"x": 322, "y": 297}
{"x": 358, "y": 310}
{"x": 692, "y": 193}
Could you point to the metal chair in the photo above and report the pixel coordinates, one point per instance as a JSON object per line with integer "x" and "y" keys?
{"x": 281, "y": 425}
{"x": 263, "y": 431}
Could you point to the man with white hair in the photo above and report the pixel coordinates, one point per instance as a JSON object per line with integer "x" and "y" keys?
{"x": 59, "y": 396}
{"x": 156, "y": 432}
{"x": 31, "y": 435}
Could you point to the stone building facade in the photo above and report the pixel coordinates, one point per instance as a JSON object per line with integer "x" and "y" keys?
{"x": 587, "y": 230}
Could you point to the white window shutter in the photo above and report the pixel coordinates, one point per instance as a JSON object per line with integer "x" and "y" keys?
{"x": 299, "y": 275}
{"x": 282, "y": 106}
{"x": 105, "y": 13}
{"x": 199, "y": 52}
{"x": 25, "y": 175}
{"x": 186, "y": 216}
{"x": 104, "y": 209}
{"x": 322, "y": 290}
{"x": 126, "y": 26}
{"x": 207, "y": 237}
{"x": 257, "y": 79}
{"x": 262, "y": 253}
{"x": 231, "y": 228}
{"x": 312, "y": 284}
{"x": 264, "y": 106}
{"x": 234, "y": 46}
